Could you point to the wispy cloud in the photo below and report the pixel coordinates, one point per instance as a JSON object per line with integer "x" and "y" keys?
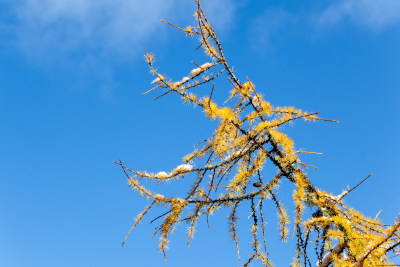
{"x": 373, "y": 14}
{"x": 114, "y": 27}
{"x": 102, "y": 26}
{"x": 89, "y": 38}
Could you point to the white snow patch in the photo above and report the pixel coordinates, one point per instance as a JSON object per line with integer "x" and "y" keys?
{"x": 184, "y": 167}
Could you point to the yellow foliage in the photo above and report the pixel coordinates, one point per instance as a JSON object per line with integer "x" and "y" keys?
{"x": 228, "y": 170}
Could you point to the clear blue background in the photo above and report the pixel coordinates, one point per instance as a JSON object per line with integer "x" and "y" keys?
{"x": 72, "y": 74}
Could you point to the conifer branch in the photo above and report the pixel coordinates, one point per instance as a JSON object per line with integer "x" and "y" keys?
{"x": 228, "y": 166}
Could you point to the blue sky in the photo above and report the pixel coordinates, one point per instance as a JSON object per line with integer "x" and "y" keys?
{"x": 72, "y": 74}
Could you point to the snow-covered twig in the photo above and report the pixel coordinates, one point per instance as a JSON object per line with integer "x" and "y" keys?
{"x": 183, "y": 167}
{"x": 328, "y": 256}
{"x": 156, "y": 80}
{"x": 161, "y": 175}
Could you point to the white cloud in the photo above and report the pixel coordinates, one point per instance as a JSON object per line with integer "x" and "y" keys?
{"x": 374, "y": 14}
{"x": 87, "y": 39}
{"x": 103, "y": 27}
